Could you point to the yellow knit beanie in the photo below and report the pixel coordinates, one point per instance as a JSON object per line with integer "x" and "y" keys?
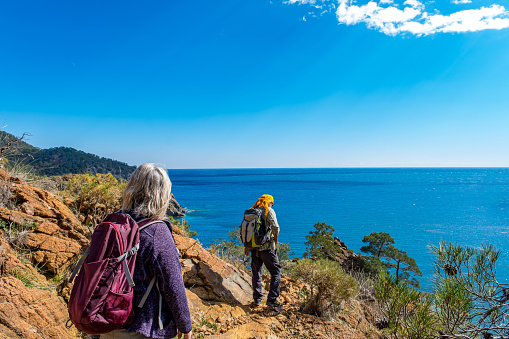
{"x": 263, "y": 201}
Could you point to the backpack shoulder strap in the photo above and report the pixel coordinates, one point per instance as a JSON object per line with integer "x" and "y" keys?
{"x": 140, "y": 228}
{"x": 131, "y": 252}
{"x": 149, "y": 288}
{"x": 78, "y": 265}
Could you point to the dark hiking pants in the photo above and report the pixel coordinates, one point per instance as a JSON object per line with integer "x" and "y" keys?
{"x": 270, "y": 260}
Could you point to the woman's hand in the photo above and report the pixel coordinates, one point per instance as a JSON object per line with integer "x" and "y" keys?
{"x": 181, "y": 335}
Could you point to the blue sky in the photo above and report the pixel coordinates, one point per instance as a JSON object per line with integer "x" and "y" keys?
{"x": 202, "y": 84}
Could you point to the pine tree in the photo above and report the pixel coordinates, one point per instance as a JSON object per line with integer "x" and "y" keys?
{"x": 384, "y": 256}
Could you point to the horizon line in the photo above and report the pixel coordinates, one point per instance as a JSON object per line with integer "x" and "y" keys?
{"x": 371, "y": 167}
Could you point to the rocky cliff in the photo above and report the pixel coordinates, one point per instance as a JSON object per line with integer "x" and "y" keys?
{"x": 41, "y": 239}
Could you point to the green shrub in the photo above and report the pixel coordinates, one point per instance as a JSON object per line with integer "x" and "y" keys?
{"x": 329, "y": 285}
{"x": 183, "y": 225}
{"x": 94, "y": 196}
{"x": 231, "y": 250}
{"x": 469, "y": 299}
{"x": 408, "y": 313}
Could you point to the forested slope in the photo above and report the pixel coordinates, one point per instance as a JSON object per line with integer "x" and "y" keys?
{"x": 61, "y": 160}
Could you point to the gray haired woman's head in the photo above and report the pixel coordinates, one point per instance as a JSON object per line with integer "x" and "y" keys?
{"x": 147, "y": 193}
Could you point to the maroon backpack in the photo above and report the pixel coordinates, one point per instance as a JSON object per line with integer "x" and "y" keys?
{"x": 102, "y": 296}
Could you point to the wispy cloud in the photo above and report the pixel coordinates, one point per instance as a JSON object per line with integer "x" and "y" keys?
{"x": 412, "y": 17}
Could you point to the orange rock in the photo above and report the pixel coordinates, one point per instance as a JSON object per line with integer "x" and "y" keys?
{"x": 58, "y": 234}
{"x": 32, "y": 313}
{"x": 47, "y": 228}
{"x": 183, "y": 243}
{"x": 53, "y": 253}
{"x": 210, "y": 277}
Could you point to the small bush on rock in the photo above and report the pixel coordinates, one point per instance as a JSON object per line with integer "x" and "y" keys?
{"x": 15, "y": 234}
{"x": 329, "y": 285}
{"x": 94, "y": 196}
{"x": 184, "y": 225}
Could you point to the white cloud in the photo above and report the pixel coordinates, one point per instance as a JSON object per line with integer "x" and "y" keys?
{"x": 414, "y": 4}
{"x": 411, "y": 16}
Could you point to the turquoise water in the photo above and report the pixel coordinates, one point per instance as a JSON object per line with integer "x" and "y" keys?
{"x": 418, "y": 207}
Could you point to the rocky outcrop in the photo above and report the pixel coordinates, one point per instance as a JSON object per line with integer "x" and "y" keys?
{"x": 29, "y": 306}
{"x": 31, "y": 312}
{"x": 349, "y": 260}
{"x": 209, "y": 277}
{"x": 175, "y": 210}
{"x": 57, "y": 234}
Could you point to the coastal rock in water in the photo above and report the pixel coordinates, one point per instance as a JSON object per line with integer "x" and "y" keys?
{"x": 43, "y": 224}
{"x": 175, "y": 210}
{"x": 210, "y": 277}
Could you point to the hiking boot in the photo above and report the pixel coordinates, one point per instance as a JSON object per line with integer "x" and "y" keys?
{"x": 274, "y": 303}
{"x": 254, "y": 304}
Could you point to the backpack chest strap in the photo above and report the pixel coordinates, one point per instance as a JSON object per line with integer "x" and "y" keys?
{"x": 132, "y": 251}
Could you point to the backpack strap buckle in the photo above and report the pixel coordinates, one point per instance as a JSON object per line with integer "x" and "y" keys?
{"x": 123, "y": 258}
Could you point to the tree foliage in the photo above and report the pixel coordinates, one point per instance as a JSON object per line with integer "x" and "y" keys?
{"x": 320, "y": 242}
{"x": 64, "y": 160}
{"x": 469, "y": 299}
{"x": 378, "y": 243}
{"x": 11, "y": 145}
{"x": 14, "y": 151}
{"x": 466, "y": 298}
{"x": 408, "y": 313}
{"x": 385, "y": 256}
{"x": 184, "y": 225}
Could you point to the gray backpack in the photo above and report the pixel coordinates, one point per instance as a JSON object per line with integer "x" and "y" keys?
{"x": 255, "y": 230}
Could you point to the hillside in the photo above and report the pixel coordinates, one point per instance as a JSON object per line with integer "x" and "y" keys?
{"x": 62, "y": 160}
{"x": 40, "y": 239}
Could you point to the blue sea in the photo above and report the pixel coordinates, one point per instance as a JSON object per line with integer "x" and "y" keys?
{"x": 417, "y": 206}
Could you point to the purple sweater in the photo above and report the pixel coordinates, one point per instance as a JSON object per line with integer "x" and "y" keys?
{"x": 158, "y": 256}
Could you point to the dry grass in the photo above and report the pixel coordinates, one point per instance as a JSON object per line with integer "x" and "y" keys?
{"x": 5, "y": 195}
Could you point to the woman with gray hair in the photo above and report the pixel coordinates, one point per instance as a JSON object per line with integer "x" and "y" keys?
{"x": 165, "y": 313}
